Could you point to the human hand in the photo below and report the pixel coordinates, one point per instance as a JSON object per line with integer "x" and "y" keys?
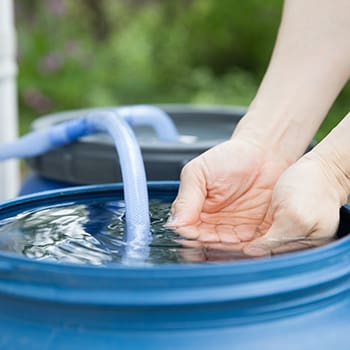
{"x": 225, "y": 193}
{"x": 304, "y": 209}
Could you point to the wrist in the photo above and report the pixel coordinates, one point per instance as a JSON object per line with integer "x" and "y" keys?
{"x": 327, "y": 159}
{"x": 277, "y": 134}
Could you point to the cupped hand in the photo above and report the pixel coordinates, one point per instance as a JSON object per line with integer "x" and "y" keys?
{"x": 304, "y": 209}
{"x": 225, "y": 193}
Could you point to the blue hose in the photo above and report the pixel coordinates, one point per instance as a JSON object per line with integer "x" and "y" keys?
{"x": 42, "y": 141}
{"x": 153, "y": 116}
{"x": 132, "y": 168}
{"x": 116, "y": 123}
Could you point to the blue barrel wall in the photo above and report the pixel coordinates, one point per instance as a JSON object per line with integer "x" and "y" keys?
{"x": 293, "y": 301}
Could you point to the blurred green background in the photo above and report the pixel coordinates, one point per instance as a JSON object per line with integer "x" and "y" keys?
{"x": 84, "y": 53}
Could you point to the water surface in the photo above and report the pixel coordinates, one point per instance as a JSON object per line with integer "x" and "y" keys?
{"x": 93, "y": 233}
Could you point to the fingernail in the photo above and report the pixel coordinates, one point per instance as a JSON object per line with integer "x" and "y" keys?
{"x": 171, "y": 222}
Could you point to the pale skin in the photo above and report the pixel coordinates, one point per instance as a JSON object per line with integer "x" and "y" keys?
{"x": 258, "y": 191}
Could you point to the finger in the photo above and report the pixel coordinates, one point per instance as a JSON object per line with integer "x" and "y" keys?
{"x": 262, "y": 246}
{"x": 188, "y": 232}
{"x": 227, "y": 234}
{"x": 190, "y": 198}
{"x": 203, "y": 232}
{"x": 246, "y": 232}
{"x": 230, "y": 228}
{"x": 209, "y": 233}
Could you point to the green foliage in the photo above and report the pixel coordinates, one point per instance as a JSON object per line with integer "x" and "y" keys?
{"x": 77, "y": 54}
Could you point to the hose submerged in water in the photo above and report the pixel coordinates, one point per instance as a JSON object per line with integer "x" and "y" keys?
{"x": 115, "y": 123}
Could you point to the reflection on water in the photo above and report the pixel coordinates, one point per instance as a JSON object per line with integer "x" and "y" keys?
{"x": 94, "y": 234}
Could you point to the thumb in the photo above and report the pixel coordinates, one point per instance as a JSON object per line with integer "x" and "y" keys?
{"x": 190, "y": 198}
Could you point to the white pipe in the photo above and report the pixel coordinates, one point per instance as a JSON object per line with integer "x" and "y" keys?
{"x": 9, "y": 171}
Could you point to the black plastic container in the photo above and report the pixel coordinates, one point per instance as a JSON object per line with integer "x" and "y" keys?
{"x": 94, "y": 160}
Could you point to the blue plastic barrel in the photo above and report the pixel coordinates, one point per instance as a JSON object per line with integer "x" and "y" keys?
{"x": 293, "y": 301}
{"x": 34, "y": 183}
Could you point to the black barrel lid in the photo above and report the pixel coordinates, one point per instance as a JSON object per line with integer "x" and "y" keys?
{"x": 93, "y": 159}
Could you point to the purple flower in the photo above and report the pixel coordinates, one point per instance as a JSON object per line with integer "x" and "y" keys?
{"x": 36, "y": 100}
{"x": 56, "y": 7}
{"x": 51, "y": 62}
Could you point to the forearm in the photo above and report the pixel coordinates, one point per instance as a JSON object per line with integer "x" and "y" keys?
{"x": 309, "y": 66}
